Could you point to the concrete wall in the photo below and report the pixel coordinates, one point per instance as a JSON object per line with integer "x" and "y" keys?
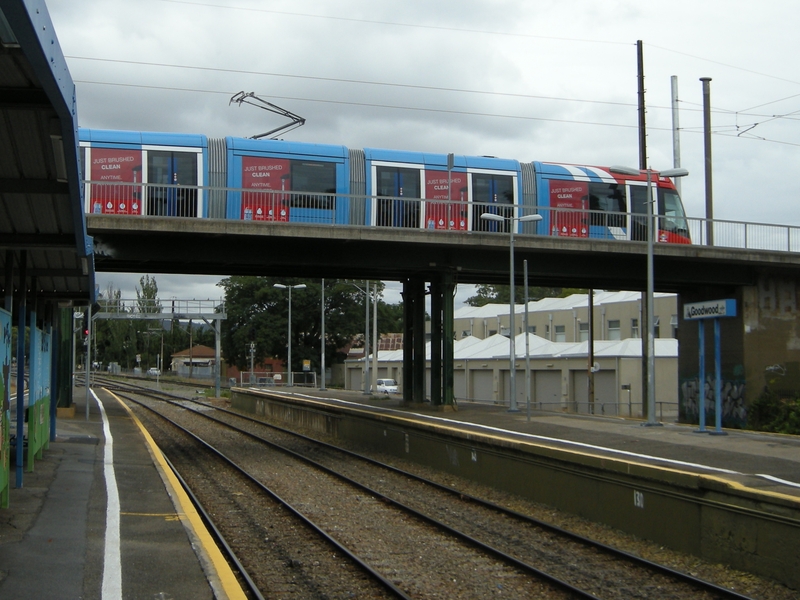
{"x": 760, "y": 349}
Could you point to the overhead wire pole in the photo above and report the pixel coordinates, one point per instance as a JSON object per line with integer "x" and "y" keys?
{"x": 646, "y": 298}
{"x": 707, "y": 152}
{"x": 676, "y": 136}
{"x": 642, "y": 123}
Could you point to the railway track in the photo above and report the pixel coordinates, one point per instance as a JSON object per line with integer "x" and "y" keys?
{"x": 513, "y": 549}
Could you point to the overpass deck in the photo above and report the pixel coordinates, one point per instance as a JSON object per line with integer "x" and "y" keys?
{"x": 227, "y": 247}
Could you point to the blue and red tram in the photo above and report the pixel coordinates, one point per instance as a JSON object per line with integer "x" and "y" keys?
{"x": 182, "y": 175}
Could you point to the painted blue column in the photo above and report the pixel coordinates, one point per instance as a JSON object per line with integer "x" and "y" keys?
{"x": 55, "y": 342}
{"x": 701, "y": 402}
{"x": 21, "y": 308}
{"x": 717, "y": 380}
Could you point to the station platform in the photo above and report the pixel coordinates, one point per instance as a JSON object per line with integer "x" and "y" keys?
{"x": 763, "y": 462}
{"x": 69, "y": 534}
{"x": 100, "y": 518}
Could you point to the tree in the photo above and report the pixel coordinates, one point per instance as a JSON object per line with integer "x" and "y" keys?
{"x": 499, "y": 294}
{"x": 258, "y": 312}
{"x": 147, "y": 295}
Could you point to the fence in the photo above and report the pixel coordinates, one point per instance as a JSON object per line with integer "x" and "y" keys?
{"x": 264, "y": 379}
{"x": 415, "y": 213}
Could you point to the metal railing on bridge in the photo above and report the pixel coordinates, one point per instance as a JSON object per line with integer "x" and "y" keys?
{"x": 330, "y": 208}
{"x": 148, "y": 308}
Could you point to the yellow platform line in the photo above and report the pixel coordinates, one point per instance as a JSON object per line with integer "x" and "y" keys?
{"x": 228, "y": 586}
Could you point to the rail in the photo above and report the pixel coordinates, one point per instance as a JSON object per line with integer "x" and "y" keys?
{"x": 334, "y": 209}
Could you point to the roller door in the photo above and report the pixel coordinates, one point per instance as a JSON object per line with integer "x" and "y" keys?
{"x": 548, "y": 390}
{"x": 481, "y": 385}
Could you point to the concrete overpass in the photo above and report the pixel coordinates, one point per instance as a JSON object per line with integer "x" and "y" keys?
{"x": 224, "y": 247}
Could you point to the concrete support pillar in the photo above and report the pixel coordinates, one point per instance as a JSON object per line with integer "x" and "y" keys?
{"x": 442, "y": 308}
{"x": 414, "y": 340}
{"x": 408, "y": 347}
{"x": 419, "y": 341}
{"x": 436, "y": 342}
{"x": 448, "y": 340}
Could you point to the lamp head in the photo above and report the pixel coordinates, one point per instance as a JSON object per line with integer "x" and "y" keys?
{"x": 677, "y": 172}
{"x": 625, "y": 170}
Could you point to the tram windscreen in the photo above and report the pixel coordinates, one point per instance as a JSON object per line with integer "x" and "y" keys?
{"x": 671, "y": 215}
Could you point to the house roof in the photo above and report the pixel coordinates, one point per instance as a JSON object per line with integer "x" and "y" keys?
{"x": 196, "y": 352}
{"x": 492, "y": 311}
{"x": 497, "y": 346}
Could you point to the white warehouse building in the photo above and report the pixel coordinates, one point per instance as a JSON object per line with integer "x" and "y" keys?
{"x": 558, "y": 345}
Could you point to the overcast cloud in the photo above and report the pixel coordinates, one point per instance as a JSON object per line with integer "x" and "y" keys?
{"x": 544, "y": 80}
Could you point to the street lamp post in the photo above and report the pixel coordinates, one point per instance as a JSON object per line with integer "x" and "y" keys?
{"x": 322, "y": 339}
{"x": 365, "y": 370}
{"x": 512, "y": 222}
{"x": 651, "y": 360}
{"x": 289, "y": 358}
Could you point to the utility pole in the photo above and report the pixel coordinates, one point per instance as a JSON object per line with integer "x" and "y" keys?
{"x": 707, "y": 147}
{"x": 642, "y": 167}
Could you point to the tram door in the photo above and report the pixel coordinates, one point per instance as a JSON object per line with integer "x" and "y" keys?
{"x": 167, "y": 174}
{"x": 638, "y": 219}
{"x": 492, "y": 194}
{"x": 398, "y": 191}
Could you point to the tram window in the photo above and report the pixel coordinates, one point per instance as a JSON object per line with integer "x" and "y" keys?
{"x": 670, "y": 209}
{"x": 609, "y": 198}
{"x": 316, "y": 177}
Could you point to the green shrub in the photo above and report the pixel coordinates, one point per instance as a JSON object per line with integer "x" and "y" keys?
{"x": 774, "y": 413}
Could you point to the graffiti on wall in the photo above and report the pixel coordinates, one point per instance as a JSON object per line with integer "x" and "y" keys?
{"x": 734, "y": 410}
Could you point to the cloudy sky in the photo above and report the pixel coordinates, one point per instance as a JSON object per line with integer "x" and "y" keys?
{"x": 552, "y": 80}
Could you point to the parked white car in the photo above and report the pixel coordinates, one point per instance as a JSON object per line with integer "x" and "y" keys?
{"x": 153, "y": 371}
{"x": 386, "y": 386}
